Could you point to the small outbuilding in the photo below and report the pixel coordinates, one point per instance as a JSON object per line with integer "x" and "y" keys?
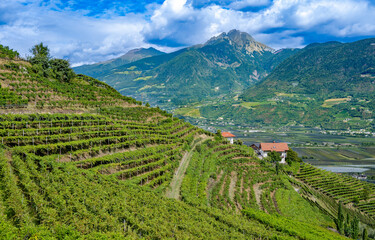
{"x": 228, "y": 136}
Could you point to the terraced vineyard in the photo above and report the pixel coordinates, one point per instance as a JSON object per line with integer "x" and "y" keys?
{"x": 146, "y": 153}
{"x": 80, "y": 161}
{"x": 21, "y": 87}
{"x": 348, "y": 190}
{"x": 83, "y": 171}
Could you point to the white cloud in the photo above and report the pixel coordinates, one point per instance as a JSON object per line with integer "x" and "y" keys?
{"x": 71, "y": 34}
{"x": 175, "y": 23}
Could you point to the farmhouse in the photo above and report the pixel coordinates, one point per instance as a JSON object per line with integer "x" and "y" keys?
{"x": 264, "y": 148}
{"x": 228, "y": 136}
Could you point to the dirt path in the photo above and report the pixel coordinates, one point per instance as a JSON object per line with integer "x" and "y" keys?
{"x": 275, "y": 202}
{"x": 232, "y": 185}
{"x": 258, "y": 193}
{"x": 174, "y": 189}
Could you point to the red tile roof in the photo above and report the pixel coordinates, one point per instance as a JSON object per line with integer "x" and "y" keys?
{"x": 278, "y": 147}
{"x": 227, "y": 135}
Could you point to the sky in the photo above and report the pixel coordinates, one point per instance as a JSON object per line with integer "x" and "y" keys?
{"x": 88, "y": 31}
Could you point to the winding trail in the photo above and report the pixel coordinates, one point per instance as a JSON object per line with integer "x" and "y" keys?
{"x": 174, "y": 189}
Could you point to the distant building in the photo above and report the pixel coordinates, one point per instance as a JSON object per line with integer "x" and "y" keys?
{"x": 360, "y": 176}
{"x": 228, "y": 136}
{"x": 264, "y": 148}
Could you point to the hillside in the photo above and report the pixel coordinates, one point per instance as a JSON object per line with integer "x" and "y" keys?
{"x": 329, "y": 85}
{"x": 96, "y": 70}
{"x": 323, "y": 71}
{"x": 116, "y": 169}
{"x": 226, "y": 64}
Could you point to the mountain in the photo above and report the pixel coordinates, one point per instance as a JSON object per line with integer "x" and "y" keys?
{"x": 330, "y": 70}
{"x": 95, "y": 70}
{"x": 225, "y": 64}
{"x": 330, "y": 85}
{"x": 80, "y": 161}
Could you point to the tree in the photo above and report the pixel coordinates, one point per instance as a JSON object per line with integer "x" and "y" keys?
{"x": 277, "y": 168}
{"x": 41, "y": 56}
{"x": 354, "y": 227}
{"x": 364, "y": 234}
{"x": 340, "y": 220}
{"x": 292, "y": 156}
{"x": 147, "y": 105}
{"x": 218, "y": 136}
{"x": 238, "y": 142}
{"x": 366, "y": 192}
{"x": 61, "y": 70}
{"x": 274, "y": 156}
{"x": 347, "y": 226}
{"x": 40, "y": 50}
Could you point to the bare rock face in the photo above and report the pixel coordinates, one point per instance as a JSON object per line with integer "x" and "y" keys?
{"x": 241, "y": 41}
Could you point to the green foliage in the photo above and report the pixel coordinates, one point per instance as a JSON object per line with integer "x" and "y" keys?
{"x": 6, "y": 52}
{"x": 290, "y": 227}
{"x": 340, "y": 220}
{"x": 354, "y": 228}
{"x": 218, "y": 136}
{"x": 278, "y": 168}
{"x": 293, "y": 206}
{"x": 366, "y": 192}
{"x": 274, "y": 157}
{"x": 364, "y": 234}
{"x": 41, "y": 57}
{"x": 347, "y": 229}
{"x": 340, "y": 188}
{"x": 238, "y": 142}
{"x": 44, "y": 66}
{"x": 61, "y": 70}
{"x": 292, "y": 156}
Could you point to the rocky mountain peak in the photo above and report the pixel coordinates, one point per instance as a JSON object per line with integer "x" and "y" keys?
{"x": 240, "y": 40}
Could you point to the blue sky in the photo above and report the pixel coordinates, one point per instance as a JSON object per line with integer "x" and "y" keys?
{"x": 87, "y": 31}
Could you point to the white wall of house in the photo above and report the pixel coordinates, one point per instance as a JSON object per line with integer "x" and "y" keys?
{"x": 263, "y": 154}
{"x": 283, "y": 156}
{"x": 230, "y": 140}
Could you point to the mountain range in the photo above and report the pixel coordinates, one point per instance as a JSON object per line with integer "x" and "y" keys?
{"x": 330, "y": 85}
{"x": 226, "y": 64}
{"x": 232, "y": 76}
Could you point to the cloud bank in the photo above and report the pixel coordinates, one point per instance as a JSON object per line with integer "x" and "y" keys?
{"x": 86, "y": 31}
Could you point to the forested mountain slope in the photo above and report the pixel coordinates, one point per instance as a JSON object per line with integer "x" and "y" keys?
{"x": 228, "y": 63}
{"x": 92, "y": 169}
{"x": 323, "y": 71}
{"x": 329, "y": 85}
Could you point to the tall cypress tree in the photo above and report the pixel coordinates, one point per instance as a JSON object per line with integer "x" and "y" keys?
{"x": 347, "y": 226}
{"x": 354, "y": 228}
{"x": 364, "y": 234}
{"x": 340, "y": 220}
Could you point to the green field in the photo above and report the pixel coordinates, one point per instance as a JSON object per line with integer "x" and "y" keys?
{"x": 250, "y": 105}
{"x": 190, "y": 112}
